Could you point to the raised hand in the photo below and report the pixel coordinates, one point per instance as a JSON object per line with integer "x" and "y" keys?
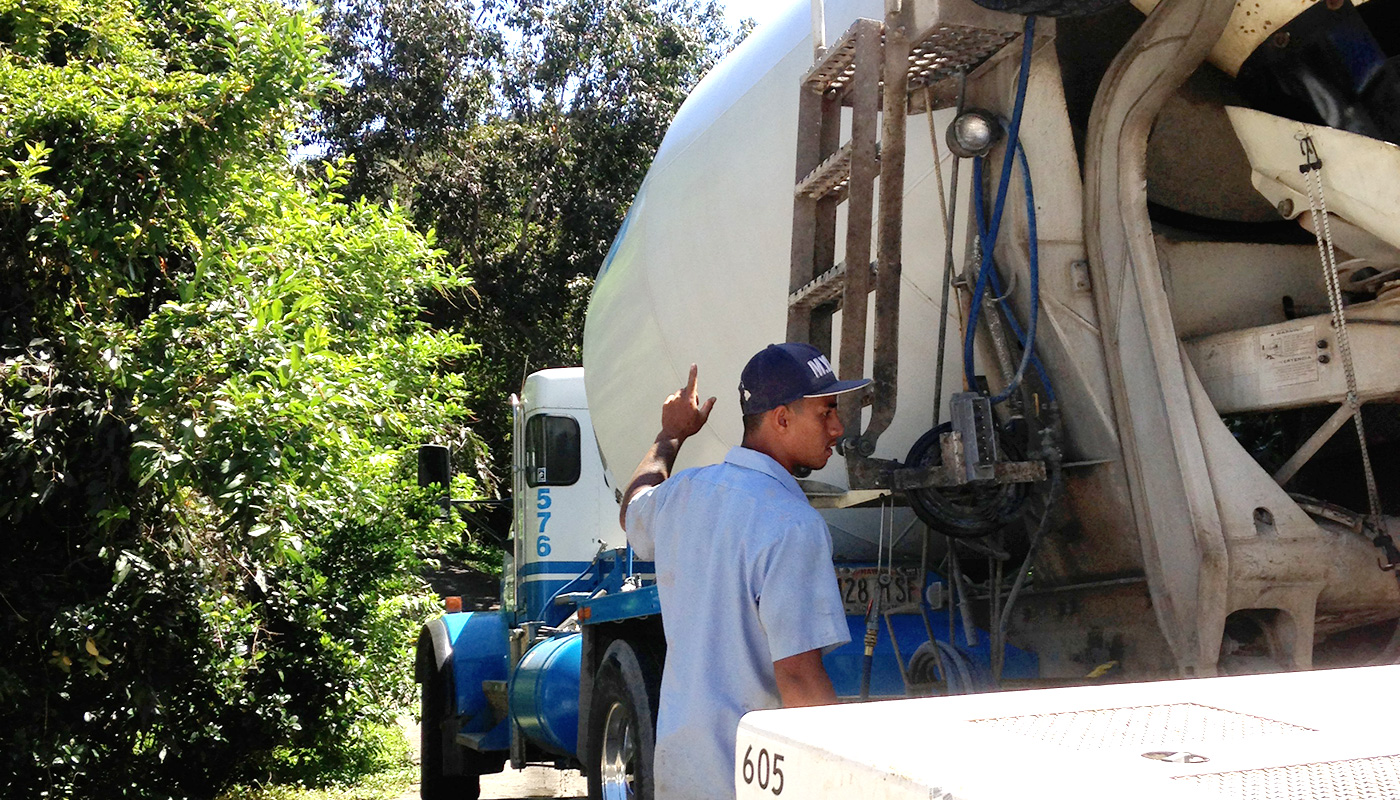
{"x": 682, "y": 415}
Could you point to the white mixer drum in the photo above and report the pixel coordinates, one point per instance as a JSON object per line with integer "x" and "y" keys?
{"x": 699, "y": 271}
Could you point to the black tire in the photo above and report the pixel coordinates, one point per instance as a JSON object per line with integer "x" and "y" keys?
{"x": 1050, "y": 8}
{"x": 622, "y": 725}
{"x": 436, "y": 741}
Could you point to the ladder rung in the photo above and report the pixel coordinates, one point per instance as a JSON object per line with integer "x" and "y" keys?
{"x": 822, "y": 289}
{"x": 837, "y": 66}
{"x": 832, "y": 176}
{"x": 949, "y": 48}
{"x": 826, "y": 288}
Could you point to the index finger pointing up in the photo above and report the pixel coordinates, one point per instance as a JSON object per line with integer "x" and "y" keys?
{"x": 690, "y": 384}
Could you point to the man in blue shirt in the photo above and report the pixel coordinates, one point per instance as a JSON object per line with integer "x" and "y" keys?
{"x": 743, "y": 565}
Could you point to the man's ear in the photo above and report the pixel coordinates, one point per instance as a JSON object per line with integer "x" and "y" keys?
{"x": 782, "y": 416}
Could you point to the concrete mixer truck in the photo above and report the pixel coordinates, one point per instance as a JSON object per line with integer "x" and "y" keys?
{"x": 1127, "y": 280}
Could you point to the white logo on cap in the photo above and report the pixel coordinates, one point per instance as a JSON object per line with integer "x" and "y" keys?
{"x": 819, "y": 366}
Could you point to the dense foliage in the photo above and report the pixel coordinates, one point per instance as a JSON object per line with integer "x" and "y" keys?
{"x": 543, "y": 119}
{"x": 216, "y": 358}
{"x": 212, "y": 371}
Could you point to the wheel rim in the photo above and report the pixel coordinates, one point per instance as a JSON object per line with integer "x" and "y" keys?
{"x": 618, "y": 770}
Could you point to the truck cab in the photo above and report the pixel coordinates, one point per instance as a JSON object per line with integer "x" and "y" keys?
{"x": 502, "y": 686}
{"x": 564, "y": 511}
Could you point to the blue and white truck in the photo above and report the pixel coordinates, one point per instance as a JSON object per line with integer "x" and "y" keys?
{"x": 1154, "y": 433}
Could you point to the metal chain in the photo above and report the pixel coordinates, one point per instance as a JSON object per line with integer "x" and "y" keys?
{"x": 1322, "y": 229}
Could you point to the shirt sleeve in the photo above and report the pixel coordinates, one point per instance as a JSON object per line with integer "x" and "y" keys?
{"x": 799, "y": 603}
{"x": 641, "y": 517}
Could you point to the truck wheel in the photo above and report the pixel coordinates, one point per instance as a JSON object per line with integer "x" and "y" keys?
{"x": 622, "y": 725}
{"x": 436, "y": 742}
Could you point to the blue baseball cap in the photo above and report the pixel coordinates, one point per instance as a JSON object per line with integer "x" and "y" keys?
{"x": 785, "y": 373}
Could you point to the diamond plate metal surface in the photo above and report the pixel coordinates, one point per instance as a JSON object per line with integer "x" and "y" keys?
{"x": 1095, "y": 729}
{"x": 941, "y": 53}
{"x": 949, "y": 48}
{"x": 836, "y": 69}
{"x": 1353, "y": 779}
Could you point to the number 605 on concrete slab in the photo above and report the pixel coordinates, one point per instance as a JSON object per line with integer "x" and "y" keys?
{"x": 762, "y": 769}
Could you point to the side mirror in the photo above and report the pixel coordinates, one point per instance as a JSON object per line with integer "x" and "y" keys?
{"x": 435, "y": 467}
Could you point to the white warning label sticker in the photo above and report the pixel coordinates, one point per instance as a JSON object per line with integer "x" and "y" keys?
{"x": 1223, "y": 356}
{"x": 1288, "y": 357}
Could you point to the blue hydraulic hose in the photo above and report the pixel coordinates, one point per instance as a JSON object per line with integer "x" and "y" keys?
{"x": 548, "y": 604}
{"x": 1025, "y": 338}
{"x": 990, "y": 235}
{"x": 1028, "y": 342}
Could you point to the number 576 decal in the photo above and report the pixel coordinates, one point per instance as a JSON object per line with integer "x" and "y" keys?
{"x": 542, "y": 501}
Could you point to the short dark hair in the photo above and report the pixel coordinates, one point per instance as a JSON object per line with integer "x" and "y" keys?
{"x": 752, "y": 422}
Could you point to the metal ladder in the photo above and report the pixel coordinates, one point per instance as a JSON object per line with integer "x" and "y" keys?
{"x": 852, "y": 74}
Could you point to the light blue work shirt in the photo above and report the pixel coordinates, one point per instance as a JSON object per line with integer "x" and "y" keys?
{"x": 744, "y": 572}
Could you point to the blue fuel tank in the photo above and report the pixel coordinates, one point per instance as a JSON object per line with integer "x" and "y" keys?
{"x": 544, "y": 693}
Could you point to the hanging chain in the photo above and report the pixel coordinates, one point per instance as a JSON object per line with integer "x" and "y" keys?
{"x": 1322, "y": 229}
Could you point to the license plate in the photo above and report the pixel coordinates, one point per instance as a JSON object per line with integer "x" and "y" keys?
{"x": 900, "y": 595}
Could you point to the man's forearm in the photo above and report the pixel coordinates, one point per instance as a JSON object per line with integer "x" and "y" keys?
{"x": 802, "y": 680}
{"x": 654, "y": 468}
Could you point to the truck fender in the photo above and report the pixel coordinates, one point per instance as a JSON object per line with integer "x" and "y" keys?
{"x": 433, "y": 661}
{"x": 464, "y": 650}
{"x": 434, "y": 650}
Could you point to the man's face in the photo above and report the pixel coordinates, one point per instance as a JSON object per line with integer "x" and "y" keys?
{"x": 813, "y": 429}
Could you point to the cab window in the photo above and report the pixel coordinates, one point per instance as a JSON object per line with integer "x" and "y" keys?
{"x": 551, "y": 450}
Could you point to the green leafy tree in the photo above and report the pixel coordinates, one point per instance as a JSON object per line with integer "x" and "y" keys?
{"x": 212, "y": 371}
{"x": 526, "y": 182}
{"x": 417, "y": 72}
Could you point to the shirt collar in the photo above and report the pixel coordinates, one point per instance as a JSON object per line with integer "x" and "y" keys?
{"x": 761, "y": 462}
